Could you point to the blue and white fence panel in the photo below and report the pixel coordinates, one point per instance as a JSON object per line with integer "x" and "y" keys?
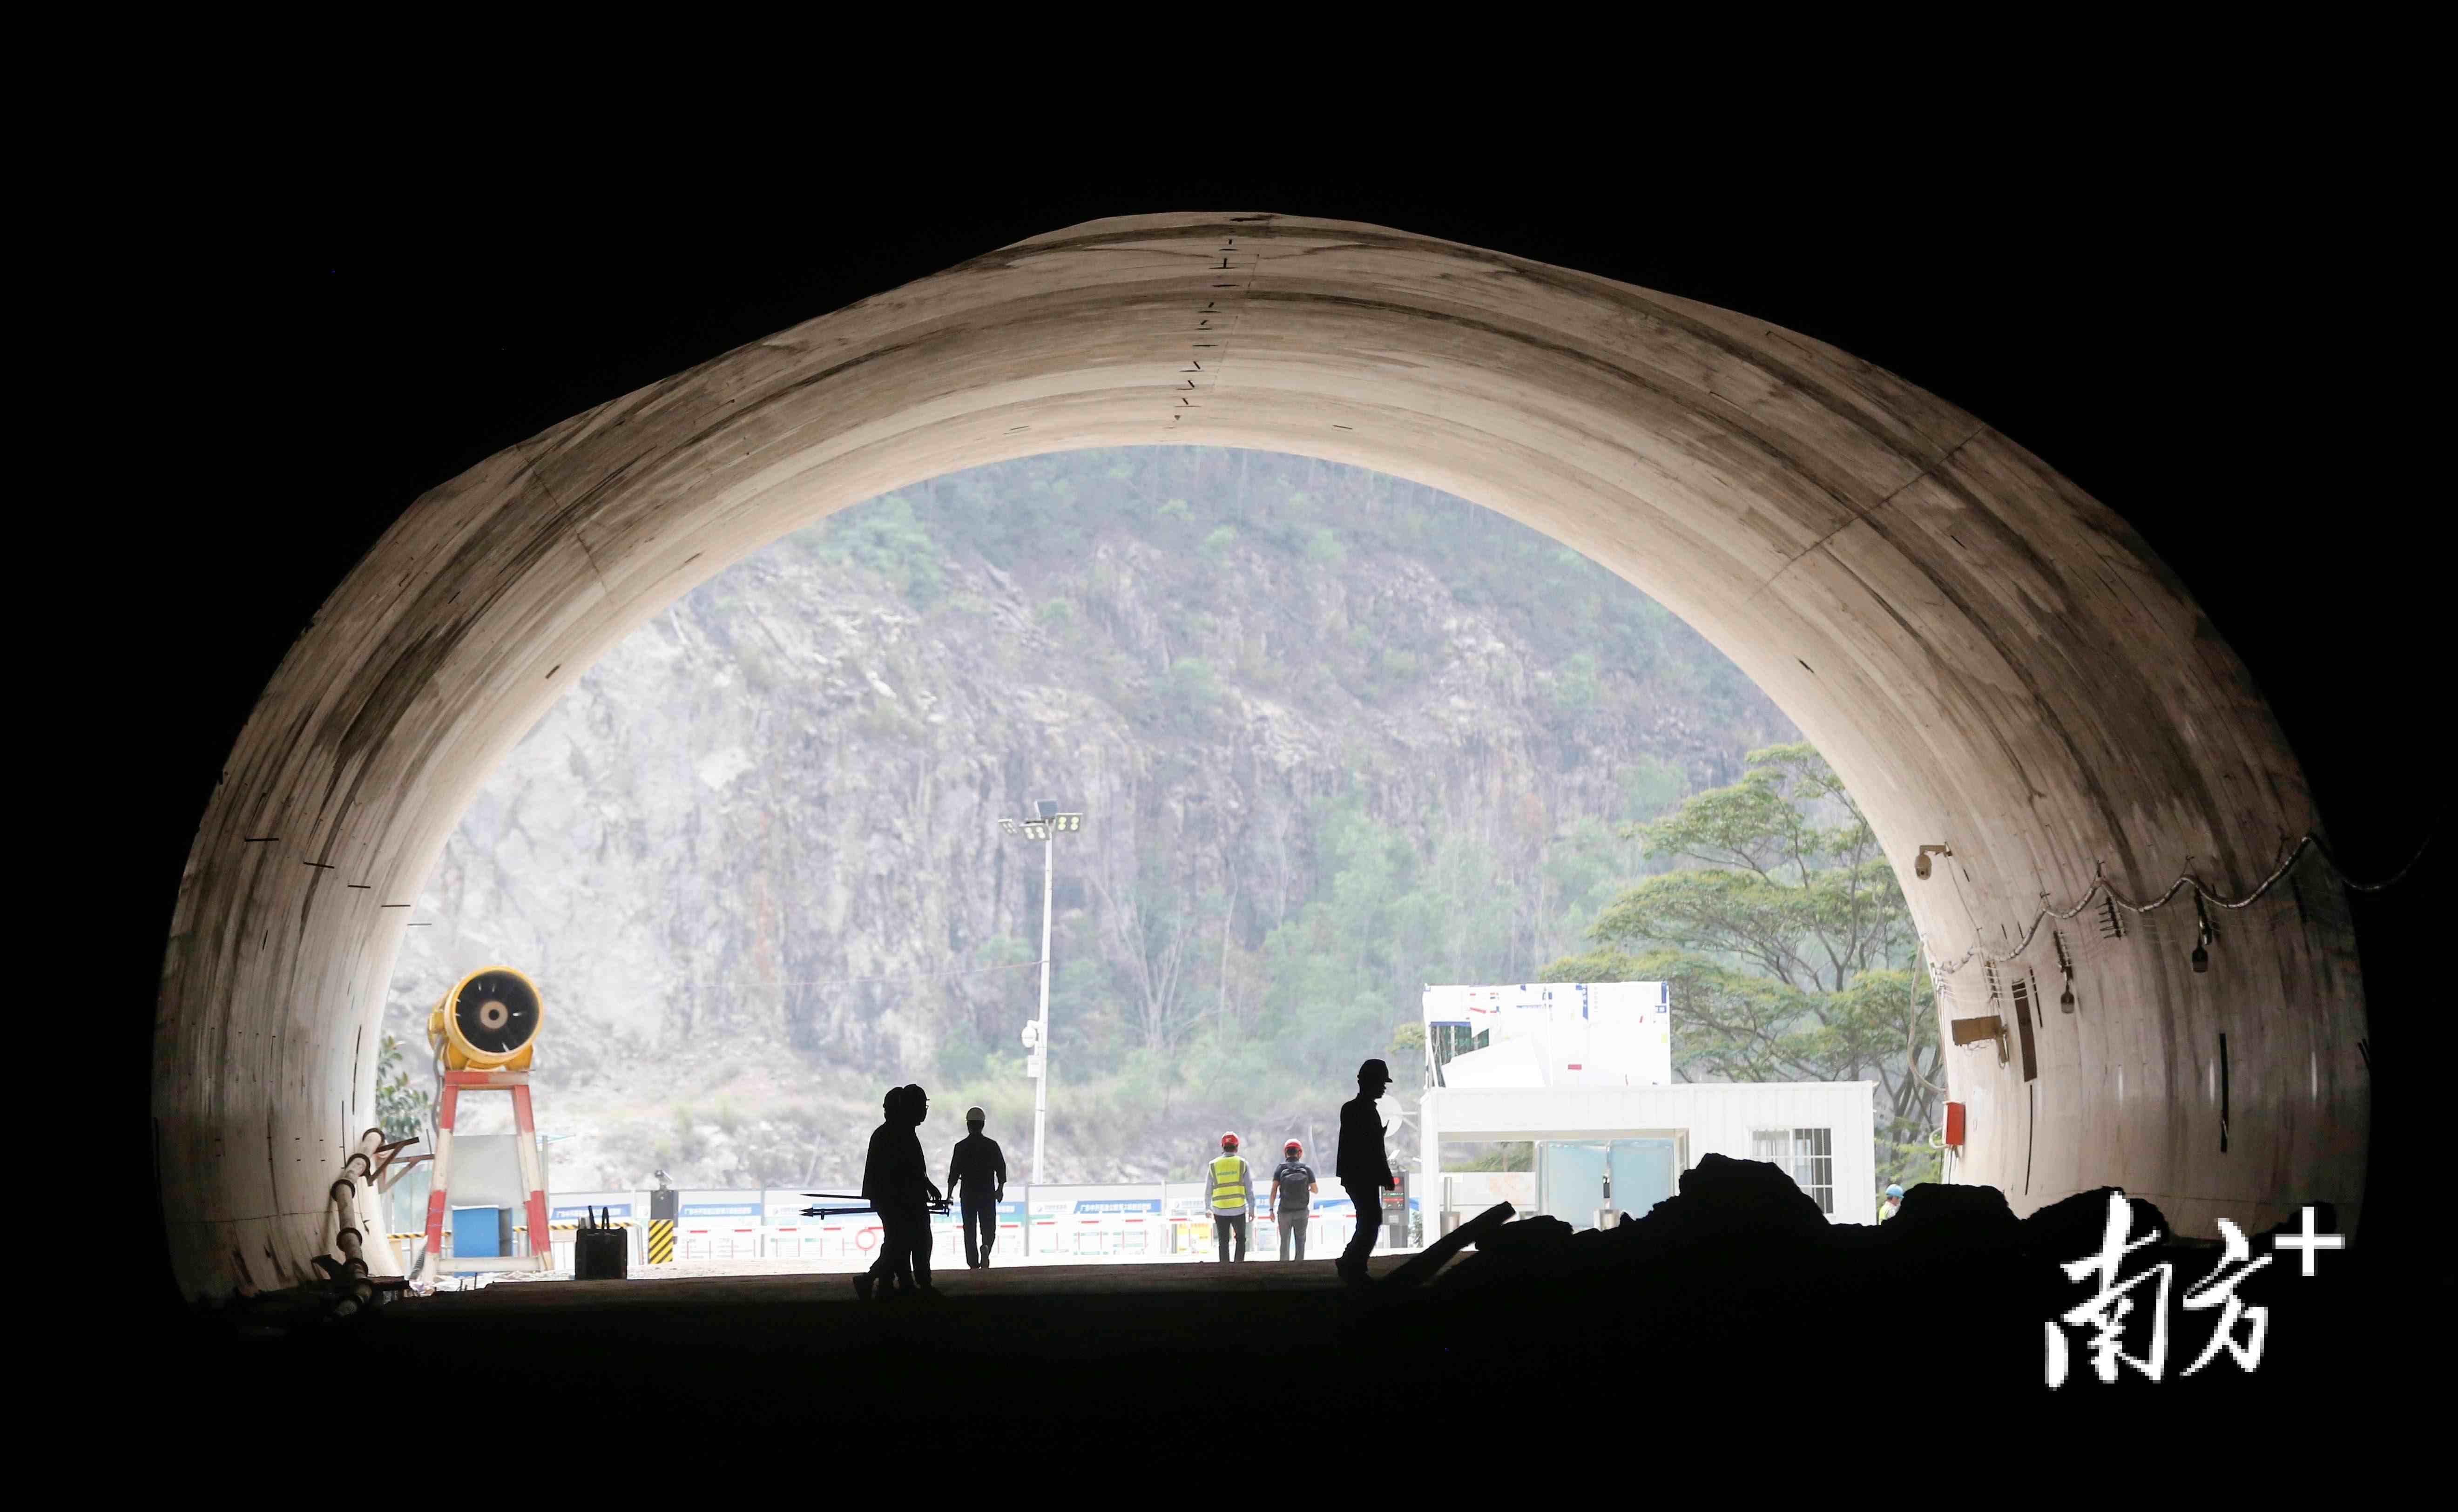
{"x": 718, "y": 1224}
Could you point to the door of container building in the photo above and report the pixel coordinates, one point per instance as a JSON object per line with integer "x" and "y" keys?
{"x": 1571, "y": 1179}
{"x": 1644, "y": 1172}
{"x": 1585, "y": 1182}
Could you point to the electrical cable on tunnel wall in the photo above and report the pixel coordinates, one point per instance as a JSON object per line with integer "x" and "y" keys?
{"x": 2202, "y": 895}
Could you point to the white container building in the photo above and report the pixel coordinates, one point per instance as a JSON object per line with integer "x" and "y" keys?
{"x": 1584, "y": 1071}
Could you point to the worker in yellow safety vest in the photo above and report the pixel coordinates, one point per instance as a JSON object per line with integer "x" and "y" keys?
{"x": 1231, "y": 1195}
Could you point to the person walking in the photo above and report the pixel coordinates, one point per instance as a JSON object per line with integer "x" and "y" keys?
{"x": 1362, "y": 1168}
{"x": 880, "y": 1183}
{"x": 914, "y": 1270}
{"x": 893, "y": 1182}
{"x": 1233, "y": 1196}
{"x": 1293, "y": 1189}
{"x": 978, "y": 1165}
{"x": 1893, "y": 1204}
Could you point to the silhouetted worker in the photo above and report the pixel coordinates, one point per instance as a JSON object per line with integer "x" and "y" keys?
{"x": 982, "y": 1170}
{"x": 1233, "y": 1196}
{"x": 1293, "y": 1189}
{"x": 1363, "y": 1169}
{"x": 915, "y": 1267}
{"x": 894, "y": 1182}
{"x": 879, "y": 1184}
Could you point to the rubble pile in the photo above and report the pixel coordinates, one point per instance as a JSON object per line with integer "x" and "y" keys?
{"x": 1741, "y": 1274}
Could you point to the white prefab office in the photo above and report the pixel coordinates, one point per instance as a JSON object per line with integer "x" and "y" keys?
{"x": 1821, "y": 1133}
{"x": 1585, "y": 1070}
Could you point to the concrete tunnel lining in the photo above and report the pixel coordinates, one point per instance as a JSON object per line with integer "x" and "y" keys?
{"x": 1990, "y": 659}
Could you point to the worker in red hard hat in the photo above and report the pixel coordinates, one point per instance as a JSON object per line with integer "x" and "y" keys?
{"x": 1230, "y": 1195}
{"x": 1293, "y": 1189}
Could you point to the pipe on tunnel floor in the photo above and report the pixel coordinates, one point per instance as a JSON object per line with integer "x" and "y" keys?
{"x": 349, "y": 1274}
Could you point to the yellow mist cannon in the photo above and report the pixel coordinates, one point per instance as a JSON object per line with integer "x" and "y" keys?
{"x": 485, "y": 1029}
{"x": 487, "y": 1021}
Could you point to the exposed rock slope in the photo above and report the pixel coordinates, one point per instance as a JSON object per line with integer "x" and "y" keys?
{"x": 753, "y": 856}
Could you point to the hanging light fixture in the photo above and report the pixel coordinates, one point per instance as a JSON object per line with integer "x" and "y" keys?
{"x": 2202, "y": 936}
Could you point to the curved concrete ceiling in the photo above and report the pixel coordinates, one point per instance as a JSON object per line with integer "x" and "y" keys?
{"x": 1992, "y": 659}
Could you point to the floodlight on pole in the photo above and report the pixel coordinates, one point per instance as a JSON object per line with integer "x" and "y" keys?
{"x": 1044, "y": 824}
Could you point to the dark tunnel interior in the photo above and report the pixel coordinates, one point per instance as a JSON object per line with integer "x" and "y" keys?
{"x": 2245, "y": 391}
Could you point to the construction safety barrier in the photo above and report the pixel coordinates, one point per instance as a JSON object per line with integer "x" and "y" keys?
{"x": 803, "y": 1241}
{"x": 1326, "y": 1234}
{"x": 1108, "y": 1233}
{"x": 1101, "y": 1233}
{"x": 560, "y": 1233}
{"x": 856, "y": 1239}
{"x": 718, "y": 1241}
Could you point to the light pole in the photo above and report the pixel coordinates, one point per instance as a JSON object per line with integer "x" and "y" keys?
{"x": 1044, "y": 824}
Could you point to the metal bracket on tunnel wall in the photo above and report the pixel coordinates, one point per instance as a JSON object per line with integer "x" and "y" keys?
{"x": 1973, "y": 1031}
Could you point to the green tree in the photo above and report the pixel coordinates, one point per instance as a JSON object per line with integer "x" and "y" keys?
{"x": 1189, "y": 692}
{"x": 885, "y": 537}
{"x": 1575, "y": 682}
{"x": 1787, "y": 947}
{"x": 1406, "y": 1056}
{"x": 1337, "y": 975}
{"x": 401, "y": 1112}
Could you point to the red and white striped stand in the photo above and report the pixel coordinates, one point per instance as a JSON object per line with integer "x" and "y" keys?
{"x": 542, "y": 1248}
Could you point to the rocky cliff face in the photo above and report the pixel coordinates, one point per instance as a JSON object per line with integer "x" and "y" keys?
{"x": 753, "y": 856}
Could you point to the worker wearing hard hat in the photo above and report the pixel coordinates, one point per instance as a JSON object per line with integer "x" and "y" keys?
{"x": 1362, "y": 1168}
{"x": 1293, "y": 1189}
{"x": 977, "y": 1163}
{"x": 894, "y": 1182}
{"x": 1893, "y": 1204}
{"x": 1229, "y": 1188}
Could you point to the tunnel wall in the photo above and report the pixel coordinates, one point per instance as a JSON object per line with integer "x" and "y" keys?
{"x": 1991, "y": 660}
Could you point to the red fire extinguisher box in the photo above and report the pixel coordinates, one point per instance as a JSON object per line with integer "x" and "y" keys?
{"x": 1954, "y": 1125}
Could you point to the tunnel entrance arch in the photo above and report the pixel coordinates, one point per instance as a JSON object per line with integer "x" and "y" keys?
{"x": 1991, "y": 660}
